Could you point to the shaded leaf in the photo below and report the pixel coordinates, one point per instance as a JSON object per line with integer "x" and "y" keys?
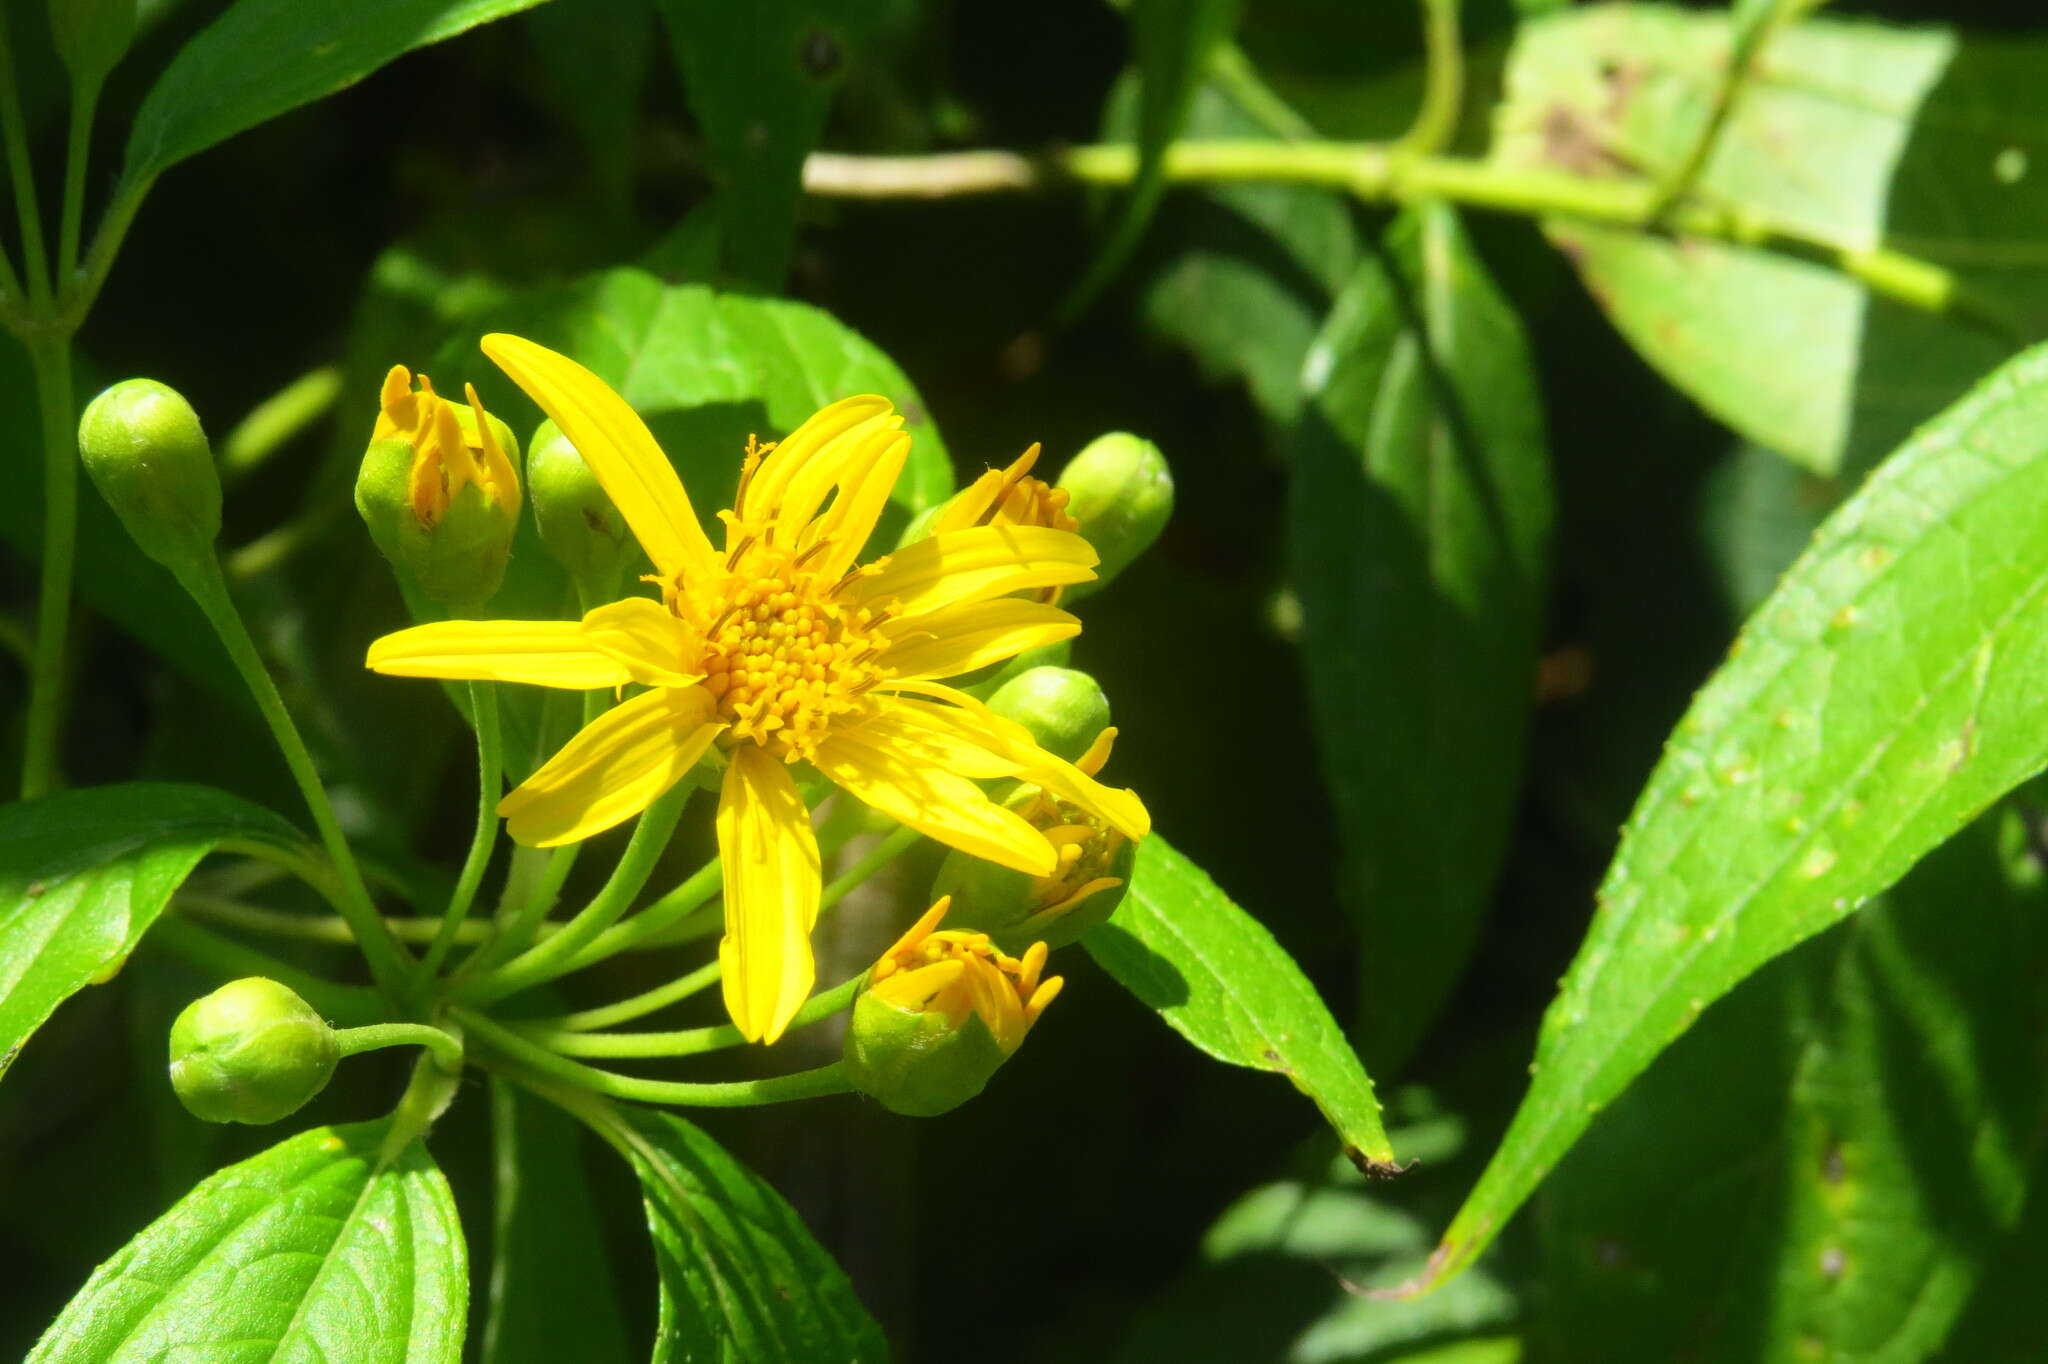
{"x": 1855, "y": 134}
{"x": 83, "y": 874}
{"x": 759, "y": 78}
{"x": 266, "y": 57}
{"x": 1217, "y": 978}
{"x": 1419, "y": 519}
{"x": 596, "y": 54}
{"x": 741, "y": 1277}
{"x": 1887, "y": 692}
{"x": 1874, "y": 1098}
{"x": 317, "y": 1249}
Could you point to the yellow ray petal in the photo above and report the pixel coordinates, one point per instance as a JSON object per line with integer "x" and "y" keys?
{"x": 960, "y": 639}
{"x": 615, "y": 767}
{"x": 542, "y": 653}
{"x": 617, "y": 446}
{"x": 937, "y": 803}
{"x": 772, "y": 886}
{"x": 844, "y": 461}
{"x": 796, "y": 450}
{"x": 978, "y": 499}
{"x": 1121, "y": 809}
{"x": 851, "y": 518}
{"x": 646, "y": 639}
{"x": 975, "y": 564}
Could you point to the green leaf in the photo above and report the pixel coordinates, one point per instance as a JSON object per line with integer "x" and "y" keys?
{"x": 760, "y": 78}
{"x": 741, "y": 1277}
{"x": 552, "y": 1293}
{"x": 1286, "y": 1273}
{"x": 1218, "y": 979}
{"x": 1419, "y": 525}
{"x": 1247, "y": 272}
{"x": 317, "y": 1249}
{"x": 1172, "y": 43}
{"x": 267, "y": 57}
{"x": 1856, "y": 134}
{"x": 1887, "y": 692}
{"x": 1870, "y": 1103}
{"x": 84, "y": 873}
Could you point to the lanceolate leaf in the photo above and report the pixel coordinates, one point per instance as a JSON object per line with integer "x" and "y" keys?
{"x": 1218, "y": 979}
{"x": 317, "y": 1249}
{"x": 266, "y": 57}
{"x": 741, "y": 1277}
{"x": 1854, "y": 134}
{"x": 1419, "y": 522}
{"x": 1827, "y": 1163}
{"x": 1886, "y": 692}
{"x": 84, "y": 873}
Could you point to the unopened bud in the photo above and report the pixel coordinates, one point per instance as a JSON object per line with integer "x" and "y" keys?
{"x": 576, "y": 518}
{"x": 939, "y": 1014}
{"x": 439, "y": 494}
{"x": 1063, "y": 708}
{"x": 1121, "y": 492}
{"x": 1088, "y": 883}
{"x": 142, "y": 445}
{"x": 91, "y": 35}
{"x": 252, "y": 1051}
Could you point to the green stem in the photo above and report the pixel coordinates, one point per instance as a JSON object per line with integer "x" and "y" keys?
{"x": 803, "y": 1084}
{"x": 427, "y": 1096}
{"x": 446, "y": 1047}
{"x": 51, "y": 356}
{"x": 85, "y": 97}
{"x": 1443, "y": 90}
{"x": 1377, "y": 174}
{"x": 14, "y": 132}
{"x": 483, "y": 706}
{"x": 1749, "y": 43}
{"x": 389, "y": 962}
{"x": 327, "y": 928}
{"x": 230, "y": 960}
{"x": 876, "y": 858}
{"x": 649, "y": 923}
{"x": 275, "y": 420}
{"x": 640, "y": 1005}
{"x": 559, "y": 954}
{"x": 568, "y": 1041}
{"x": 106, "y": 245}
{"x": 1241, "y": 81}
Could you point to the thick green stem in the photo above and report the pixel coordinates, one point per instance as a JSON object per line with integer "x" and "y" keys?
{"x": 446, "y": 1047}
{"x": 1443, "y": 91}
{"x": 85, "y": 97}
{"x": 683, "y": 1041}
{"x": 14, "y": 136}
{"x": 389, "y": 962}
{"x": 803, "y": 1084}
{"x": 656, "y": 918}
{"x": 562, "y": 952}
{"x": 1376, "y": 173}
{"x": 483, "y": 708}
{"x": 51, "y": 356}
{"x": 231, "y": 960}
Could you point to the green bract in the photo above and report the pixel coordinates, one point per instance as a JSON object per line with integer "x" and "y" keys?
{"x": 251, "y": 1052}
{"x": 918, "y": 1062}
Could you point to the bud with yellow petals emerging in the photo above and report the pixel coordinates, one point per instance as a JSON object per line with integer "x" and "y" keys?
{"x": 1084, "y": 889}
{"x": 940, "y": 1013}
{"x": 439, "y": 493}
{"x": 1000, "y": 497}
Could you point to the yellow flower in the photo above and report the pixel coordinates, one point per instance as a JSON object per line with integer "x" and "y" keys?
{"x": 777, "y": 650}
{"x": 453, "y": 447}
{"x": 938, "y": 971}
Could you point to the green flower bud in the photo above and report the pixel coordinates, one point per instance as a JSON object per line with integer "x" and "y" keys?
{"x": 142, "y": 444}
{"x": 438, "y": 493}
{"x": 940, "y": 1013}
{"x": 1121, "y": 492}
{"x": 252, "y": 1051}
{"x": 576, "y": 518}
{"x": 1015, "y": 908}
{"x": 1064, "y": 709}
{"x": 91, "y": 35}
